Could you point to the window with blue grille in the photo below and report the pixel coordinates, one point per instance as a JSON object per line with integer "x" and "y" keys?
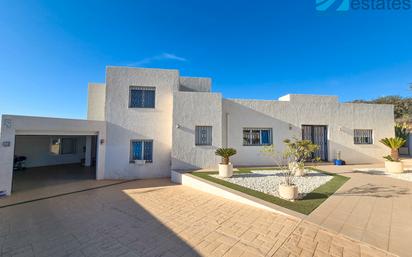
{"x": 142, "y": 97}
{"x": 141, "y": 150}
{"x": 257, "y": 136}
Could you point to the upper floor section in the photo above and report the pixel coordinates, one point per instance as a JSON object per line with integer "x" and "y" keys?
{"x": 131, "y": 90}
{"x": 147, "y": 94}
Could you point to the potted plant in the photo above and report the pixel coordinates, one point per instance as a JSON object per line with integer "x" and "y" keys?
{"x": 392, "y": 163}
{"x": 287, "y": 189}
{"x": 299, "y": 151}
{"x": 225, "y": 167}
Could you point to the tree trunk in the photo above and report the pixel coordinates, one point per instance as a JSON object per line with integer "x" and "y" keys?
{"x": 395, "y": 154}
{"x": 225, "y": 160}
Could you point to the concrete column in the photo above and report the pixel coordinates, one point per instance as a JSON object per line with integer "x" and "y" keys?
{"x": 88, "y": 153}
{"x": 7, "y": 141}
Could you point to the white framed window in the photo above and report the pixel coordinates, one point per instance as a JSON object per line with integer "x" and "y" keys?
{"x": 141, "y": 150}
{"x": 257, "y": 136}
{"x": 363, "y": 136}
{"x": 203, "y": 135}
{"x": 63, "y": 145}
{"x": 142, "y": 97}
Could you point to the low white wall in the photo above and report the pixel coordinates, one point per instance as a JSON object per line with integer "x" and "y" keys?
{"x": 37, "y": 151}
{"x": 208, "y": 187}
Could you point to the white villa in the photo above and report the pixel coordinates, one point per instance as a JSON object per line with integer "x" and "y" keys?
{"x": 143, "y": 123}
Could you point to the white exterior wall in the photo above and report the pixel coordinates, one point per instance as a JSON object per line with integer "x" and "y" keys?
{"x": 37, "y": 151}
{"x": 190, "y": 110}
{"x": 125, "y": 124}
{"x": 190, "y": 84}
{"x": 286, "y": 118}
{"x": 25, "y": 125}
{"x": 96, "y": 101}
{"x": 187, "y": 102}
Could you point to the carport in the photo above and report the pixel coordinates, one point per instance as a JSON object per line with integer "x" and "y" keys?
{"x": 58, "y": 152}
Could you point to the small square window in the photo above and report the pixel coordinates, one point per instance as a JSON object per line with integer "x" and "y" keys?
{"x": 142, "y": 97}
{"x": 363, "y": 136}
{"x": 141, "y": 150}
{"x": 203, "y": 135}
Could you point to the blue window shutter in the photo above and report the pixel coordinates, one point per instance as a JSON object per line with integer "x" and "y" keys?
{"x": 137, "y": 150}
{"x": 265, "y": 137}
{"x": 149, "y": 98}
{"x": 148, "y": 150}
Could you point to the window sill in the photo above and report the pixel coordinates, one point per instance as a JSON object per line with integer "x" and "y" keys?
{"x": 142, "y": 108}
{"x": 140, "y": 162}
{"x": 259, "y": 145}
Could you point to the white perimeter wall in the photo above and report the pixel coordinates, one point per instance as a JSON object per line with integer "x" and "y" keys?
{"x": 340, "y": 118}
{"x": 191, "y": 110}
{"x": 37, "y": 151}
{"x": 125, "y": 124}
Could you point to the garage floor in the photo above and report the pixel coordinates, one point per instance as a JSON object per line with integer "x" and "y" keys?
{"x": 49, "y": 181}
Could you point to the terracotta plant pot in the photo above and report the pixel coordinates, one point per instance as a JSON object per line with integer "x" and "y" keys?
{"x": 394, "y": 167}
{"x": 288, "y": 192}
{"x": 225, "y": 170}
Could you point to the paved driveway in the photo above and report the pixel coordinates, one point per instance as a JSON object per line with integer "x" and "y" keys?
{"x": 157, "y": 218}
{"x": 372, "y": 208}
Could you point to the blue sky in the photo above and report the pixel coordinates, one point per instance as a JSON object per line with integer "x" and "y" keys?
{"x": 50, "y": 50}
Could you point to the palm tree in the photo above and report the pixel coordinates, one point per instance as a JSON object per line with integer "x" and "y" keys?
{"x": 225, "y": 153}
{"x": 394, "y": 143}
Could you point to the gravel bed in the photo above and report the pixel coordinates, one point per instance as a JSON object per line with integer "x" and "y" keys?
{"x": 406, "y": 175}
{"x": 268, "y": 181}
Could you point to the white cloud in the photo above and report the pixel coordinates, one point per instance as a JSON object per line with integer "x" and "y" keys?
{"x": 160, "y": 57}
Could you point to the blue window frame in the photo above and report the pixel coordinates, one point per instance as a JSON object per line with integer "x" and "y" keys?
{"x": 257, "y": 136}
{"x": 141, "y": 150}
{"x": 142, "y": 97}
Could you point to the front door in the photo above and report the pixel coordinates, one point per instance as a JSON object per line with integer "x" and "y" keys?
{"x": 318, "y": 134}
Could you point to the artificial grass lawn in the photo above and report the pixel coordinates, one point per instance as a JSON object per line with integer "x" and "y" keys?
{"x": 306, "y": 205}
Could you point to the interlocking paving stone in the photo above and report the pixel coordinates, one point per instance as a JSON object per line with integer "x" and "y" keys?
{"x": 157, "y": 218}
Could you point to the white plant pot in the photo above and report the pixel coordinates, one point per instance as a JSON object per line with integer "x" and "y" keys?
{"x": 225, "y": 170}
{"x": 297, "y": 171}
{"x": 394, "y": 167}
{"x": 288, "y": 192}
